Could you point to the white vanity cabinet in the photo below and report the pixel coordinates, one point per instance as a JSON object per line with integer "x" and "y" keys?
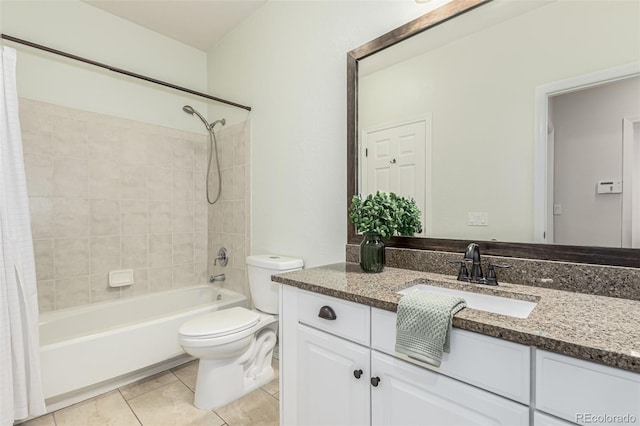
{"x": 410, "y": 395}
{"x": 585, "y": 392}
{"x": 331, "y": 375}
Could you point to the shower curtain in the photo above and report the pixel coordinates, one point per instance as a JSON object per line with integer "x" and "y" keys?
{"x": 20, "y": 387}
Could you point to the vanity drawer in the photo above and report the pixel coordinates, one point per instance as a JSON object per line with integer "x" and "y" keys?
{"x": 493, "y": 364}
{"x": 573, "y": 389}
{"x": 352, "y": 320}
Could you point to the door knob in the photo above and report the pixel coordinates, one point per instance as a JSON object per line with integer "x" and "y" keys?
{"x": 375, "y": 381}
{"x": 357, "y": 373}
{"x": 393, "y": 161}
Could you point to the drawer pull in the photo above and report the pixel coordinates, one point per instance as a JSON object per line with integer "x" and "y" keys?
{"x": 327, "y": 312}
{"x": 375, "y": 381}
{"x": 357, "y": 373}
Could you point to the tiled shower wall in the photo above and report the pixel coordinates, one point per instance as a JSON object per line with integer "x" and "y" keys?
{"x": 229, "y": 217}
{"x": 107, "y": 193}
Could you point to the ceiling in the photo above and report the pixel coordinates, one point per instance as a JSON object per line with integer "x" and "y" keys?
{"x": 197, "y": 23}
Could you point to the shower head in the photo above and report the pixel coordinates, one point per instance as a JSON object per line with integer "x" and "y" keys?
{"x": 189, "y": 110}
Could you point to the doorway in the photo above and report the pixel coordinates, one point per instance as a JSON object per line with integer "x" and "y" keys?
{"x": 396, "y": 157}
{"x": 587, "y": 161}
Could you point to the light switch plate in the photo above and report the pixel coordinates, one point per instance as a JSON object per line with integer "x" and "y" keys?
{"x": 478, "y": 219}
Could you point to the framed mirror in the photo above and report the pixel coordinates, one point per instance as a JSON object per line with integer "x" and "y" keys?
{"x": 479, "y": 111}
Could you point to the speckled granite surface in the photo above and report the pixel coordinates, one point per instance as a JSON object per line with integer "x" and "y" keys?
{"x": 597, "y": 328}
{"x": 612, "y": 281}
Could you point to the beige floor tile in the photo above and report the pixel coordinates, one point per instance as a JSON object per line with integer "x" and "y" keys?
{"x": 109, "y": 409}
{"x": 46, "y": 420}
{"x": 171, "y": 404}
{"x": 148, "y": 384}
{"x": 187, "y": 373}
{"x": 274, "y": 385}
{"x": 255, "y": 408}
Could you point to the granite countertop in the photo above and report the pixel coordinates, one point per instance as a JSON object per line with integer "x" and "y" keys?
{"x": 595, "y": 328}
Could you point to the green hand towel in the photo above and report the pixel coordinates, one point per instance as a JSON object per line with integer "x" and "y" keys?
{"x": 424, "y": 325}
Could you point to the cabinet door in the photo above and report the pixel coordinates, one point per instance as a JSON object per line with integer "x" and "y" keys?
{"x": 329, "y": 393}
{"x": 410, "y": 395}
{"x": 585, "y": 392}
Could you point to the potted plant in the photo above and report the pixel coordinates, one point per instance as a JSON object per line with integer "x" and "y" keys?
{"x": 381, "y": 216}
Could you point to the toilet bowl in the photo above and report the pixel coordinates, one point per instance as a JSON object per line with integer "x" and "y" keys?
{"x": 235, "y": 346}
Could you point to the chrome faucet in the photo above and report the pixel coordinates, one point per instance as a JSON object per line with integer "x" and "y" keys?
{"x": 214, "y": 278}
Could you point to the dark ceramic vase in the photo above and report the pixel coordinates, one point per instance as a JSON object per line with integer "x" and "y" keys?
{"x": 372, "y": 252}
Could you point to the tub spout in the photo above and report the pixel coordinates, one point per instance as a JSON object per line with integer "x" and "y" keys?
{"x": 214, "y": 278}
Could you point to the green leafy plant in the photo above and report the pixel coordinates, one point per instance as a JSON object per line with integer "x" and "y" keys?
{"x": 385, "y": 214}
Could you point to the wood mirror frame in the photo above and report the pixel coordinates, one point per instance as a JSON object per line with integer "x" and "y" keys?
{"x": 579, "y": 254}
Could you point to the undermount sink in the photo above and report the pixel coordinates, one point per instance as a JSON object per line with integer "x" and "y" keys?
{"x": 482, "y": 302}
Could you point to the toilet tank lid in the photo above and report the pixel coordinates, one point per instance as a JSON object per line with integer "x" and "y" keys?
{"x": 273, "y": 261}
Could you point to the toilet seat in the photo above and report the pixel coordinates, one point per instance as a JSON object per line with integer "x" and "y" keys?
{"x": 220, "y": 323}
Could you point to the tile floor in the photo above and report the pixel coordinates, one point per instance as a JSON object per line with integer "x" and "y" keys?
{"x": 167, "y": 399}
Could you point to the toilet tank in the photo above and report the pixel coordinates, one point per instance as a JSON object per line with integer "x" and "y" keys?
{"x": 264, "y": 292}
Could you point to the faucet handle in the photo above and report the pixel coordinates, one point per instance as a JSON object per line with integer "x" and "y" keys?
{"x": 492, "y": 279}
{"x": 223, "y": 257}
{"x": 463, "y": 272}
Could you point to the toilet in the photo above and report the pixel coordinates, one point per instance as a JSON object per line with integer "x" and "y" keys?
{"x": 235, "y": 345}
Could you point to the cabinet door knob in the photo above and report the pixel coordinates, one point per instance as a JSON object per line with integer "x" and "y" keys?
{"x": 375, "y": 381}
{"x": 327, "y": 312}
{"x": 357, "y": 373}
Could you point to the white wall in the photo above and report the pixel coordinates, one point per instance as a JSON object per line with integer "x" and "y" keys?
{"x": 481, "y": 92}
{"x": 588, "y": 149}
{"x": 83, "y": 30}
{"x": 288, "y": 61}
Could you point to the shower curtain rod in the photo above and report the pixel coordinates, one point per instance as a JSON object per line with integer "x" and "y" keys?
{"x": 121, "y": 71}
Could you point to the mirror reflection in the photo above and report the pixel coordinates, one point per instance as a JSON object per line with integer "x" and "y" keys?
{"x": 518, "y": 121}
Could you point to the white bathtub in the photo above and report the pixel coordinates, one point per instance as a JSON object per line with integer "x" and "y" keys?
{"x": 82, "y": 348}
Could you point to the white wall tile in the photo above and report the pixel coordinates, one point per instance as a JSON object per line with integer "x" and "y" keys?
{"x": 72, "y": 292}
{"x": 160, "y": 183}
{"x": 160, "y": 250}
{"x": 41, "y": 209}
{"x": 101, "y": 193}
{"x": 183, "y": 154}
{"x": 104, "y": 216}
{"x": 133, "y": 182}
{"x": 43, "y": 251}
{"x": 105, "y": 254}
{"x": 160, "y": 216}
{"x": 133, "y": 217}
{"x": 70, "y": 177}
{"x": 134, "y": 251}
{"x": 39, "y": 170}
{"x": 71, "y": 257}
{"x": 100, "y": 290}
{"x": 70, "y": 217}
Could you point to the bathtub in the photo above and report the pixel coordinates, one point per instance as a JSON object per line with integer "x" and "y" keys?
{"x": 88, "y": 347}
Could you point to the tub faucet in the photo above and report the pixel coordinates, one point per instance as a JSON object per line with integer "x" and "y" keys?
{"x": 214, "y": 278}
{"x": 472, "y": 262}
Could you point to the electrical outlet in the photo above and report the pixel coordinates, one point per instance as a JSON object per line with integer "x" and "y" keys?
{"x": 557, "y": 209}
